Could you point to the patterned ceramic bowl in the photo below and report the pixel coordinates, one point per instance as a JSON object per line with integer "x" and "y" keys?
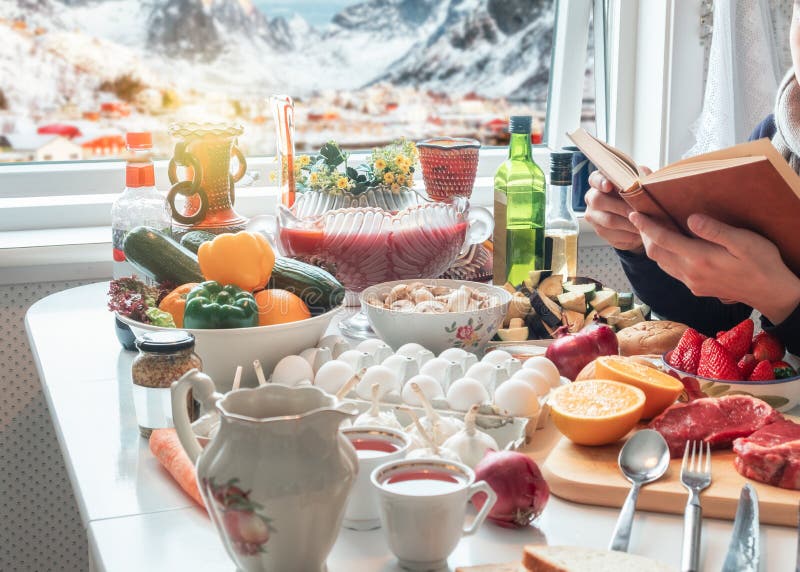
{"x": 782, "y": 394}
{"x": 437, "y": 332}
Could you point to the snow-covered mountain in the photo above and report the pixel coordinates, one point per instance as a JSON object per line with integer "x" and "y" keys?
{"x": 493, "y": 47}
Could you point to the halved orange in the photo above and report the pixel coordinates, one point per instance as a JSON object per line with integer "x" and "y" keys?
{"x": 660, "y": 389}
{"x": 596, "y": 411}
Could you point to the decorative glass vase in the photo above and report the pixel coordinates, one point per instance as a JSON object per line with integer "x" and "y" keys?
{"x": 205, "y": 150}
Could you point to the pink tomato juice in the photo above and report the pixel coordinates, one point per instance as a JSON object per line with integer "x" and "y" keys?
{"x": 364, "y": 259}
{"x": 371, "y": 448}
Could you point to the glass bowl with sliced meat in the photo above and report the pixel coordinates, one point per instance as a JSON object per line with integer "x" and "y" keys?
{"x": 736, "y": 363}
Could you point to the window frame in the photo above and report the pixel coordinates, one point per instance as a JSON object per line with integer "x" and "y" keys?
{"x": 56, "y": 215}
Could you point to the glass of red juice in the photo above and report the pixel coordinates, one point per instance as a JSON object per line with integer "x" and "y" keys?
{"x": 423, "y": 504}
{"x": 374, "y": 446}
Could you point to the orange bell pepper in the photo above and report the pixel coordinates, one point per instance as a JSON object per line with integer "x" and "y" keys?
{"x": 175, "y": 302}
{"x": 244, "y": 259}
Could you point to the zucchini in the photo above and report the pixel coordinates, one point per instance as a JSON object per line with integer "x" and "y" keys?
{"x": 161, "y": 258}
{"x": 194, "y": 238}
{"x": 316, "y": 287}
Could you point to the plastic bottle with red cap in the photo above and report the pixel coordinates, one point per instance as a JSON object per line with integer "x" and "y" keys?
{"x": 140, "y": 204}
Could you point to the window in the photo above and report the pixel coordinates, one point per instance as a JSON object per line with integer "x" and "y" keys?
{"x": 362, "y": 73}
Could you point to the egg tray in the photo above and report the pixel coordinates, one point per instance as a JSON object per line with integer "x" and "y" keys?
{"x": 513, "y": 433}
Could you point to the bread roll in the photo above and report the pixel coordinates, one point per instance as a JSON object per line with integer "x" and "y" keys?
{"x": 577, "y": 559}
{"x": 656, "y": 337}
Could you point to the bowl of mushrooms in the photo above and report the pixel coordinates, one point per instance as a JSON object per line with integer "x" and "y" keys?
{"x": 438, "y": 314}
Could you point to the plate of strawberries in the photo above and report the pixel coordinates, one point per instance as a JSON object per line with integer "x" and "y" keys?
{"x": 736, "y": 362}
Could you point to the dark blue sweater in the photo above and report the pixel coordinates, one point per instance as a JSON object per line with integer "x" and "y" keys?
{"x": 672, "y": 300}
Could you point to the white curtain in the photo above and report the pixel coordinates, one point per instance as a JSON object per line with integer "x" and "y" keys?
{"x": 747, "y": 60}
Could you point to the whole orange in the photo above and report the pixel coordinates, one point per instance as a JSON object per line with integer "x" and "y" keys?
{"x": 278, "y": 306}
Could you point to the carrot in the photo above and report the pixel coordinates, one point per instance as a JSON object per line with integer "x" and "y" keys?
{"x": 167, "y": 448}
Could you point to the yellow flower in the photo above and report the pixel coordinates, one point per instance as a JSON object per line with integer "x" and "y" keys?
{"x": 273, "y": 176}
{"x": 342, "y": 183}
{"x": 304, "y": 160}
{"x": 380, "y": 164}
{"x": 395, "y": 187}
{"x": 388, "y": 178}
{"x": 313, "y": 178}
{"x": 401, "y": 160}
{"x": 401, "y": 179}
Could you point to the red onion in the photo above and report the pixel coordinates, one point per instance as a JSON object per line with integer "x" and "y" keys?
{"x": 571, "y": 352}
{"x": 521, "y": 490}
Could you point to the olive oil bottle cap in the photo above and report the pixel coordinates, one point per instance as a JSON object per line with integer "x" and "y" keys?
{"x": 561, "y": 168}
{"x": 519, "y": 124}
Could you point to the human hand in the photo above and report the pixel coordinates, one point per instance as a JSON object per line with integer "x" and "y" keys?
{"x": 608, "y": 215}
{"x": 723, "y": 262}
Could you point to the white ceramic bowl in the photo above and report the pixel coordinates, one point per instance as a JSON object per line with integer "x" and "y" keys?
{"x": 437, "y": 332}
{"x": 782, "y": 394}
{"x": 223, "y": 350}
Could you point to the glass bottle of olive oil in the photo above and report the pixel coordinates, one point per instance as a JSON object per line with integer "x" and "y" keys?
{"x": 519, "y": 209}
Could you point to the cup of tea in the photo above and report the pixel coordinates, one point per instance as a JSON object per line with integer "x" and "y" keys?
{"x": 423, "y": 503}
{"x": 374, "y": 446}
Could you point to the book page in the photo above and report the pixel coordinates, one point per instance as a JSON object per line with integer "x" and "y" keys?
{"x": 620, "y": 169}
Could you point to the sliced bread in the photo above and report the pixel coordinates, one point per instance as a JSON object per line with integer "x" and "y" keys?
{"x": 577, "y": 559}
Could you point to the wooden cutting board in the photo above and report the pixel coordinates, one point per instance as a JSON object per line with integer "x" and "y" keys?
{"x": 590, "y": 475}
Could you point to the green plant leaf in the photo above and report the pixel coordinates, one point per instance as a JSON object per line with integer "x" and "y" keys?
{"x": 774, "y": 401}
{"x": 333, "y": 154}
{"x": 352, "y": 173}
{"x": 717, "y": 390}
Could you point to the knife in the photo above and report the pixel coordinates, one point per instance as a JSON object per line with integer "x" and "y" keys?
{"x": 744, "y": 550}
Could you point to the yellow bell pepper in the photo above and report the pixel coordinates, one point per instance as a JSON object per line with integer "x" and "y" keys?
{"x": 244, "y": 259}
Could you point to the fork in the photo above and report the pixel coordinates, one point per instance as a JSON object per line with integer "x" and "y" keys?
{"x": 695, "y": 477}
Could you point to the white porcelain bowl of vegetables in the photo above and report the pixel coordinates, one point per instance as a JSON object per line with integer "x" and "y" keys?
{"x": 455, "y": 327}
{"x": 223, "y": 349}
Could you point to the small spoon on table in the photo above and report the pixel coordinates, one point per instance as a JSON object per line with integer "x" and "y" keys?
{"x": 643, "y": 459}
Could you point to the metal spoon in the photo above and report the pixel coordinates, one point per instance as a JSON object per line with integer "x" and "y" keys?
{"x": 643, "y": 459}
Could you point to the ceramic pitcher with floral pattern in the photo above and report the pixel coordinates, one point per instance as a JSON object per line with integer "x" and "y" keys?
{"x": 276, "y": 475}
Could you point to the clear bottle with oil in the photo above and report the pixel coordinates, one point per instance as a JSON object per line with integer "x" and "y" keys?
{"x": 561, "y": 224}
{"x": 519, "y": 209}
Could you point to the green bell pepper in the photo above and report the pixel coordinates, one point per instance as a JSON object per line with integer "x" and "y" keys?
{"x": 212, "y": 305}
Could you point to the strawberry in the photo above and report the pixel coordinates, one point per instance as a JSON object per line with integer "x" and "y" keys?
{"x": 746, "y": 365}
{"x": 783, "y": 370}
{"x": 762, "y": 372}
{"x": 686, "y": 355}
{"x": 716, "y": 362}
{"x": 737, "y": 340}
{"x": 767, "y": 347}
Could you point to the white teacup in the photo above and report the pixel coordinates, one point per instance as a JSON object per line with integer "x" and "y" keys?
{"x": 423, "y": 503}
{"x": 374, "y": 446}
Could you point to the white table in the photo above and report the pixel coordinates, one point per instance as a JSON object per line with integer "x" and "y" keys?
{"x": 138, "y": 519}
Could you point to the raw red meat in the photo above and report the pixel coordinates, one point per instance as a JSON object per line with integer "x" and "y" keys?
{"x": 715, "y": 420}
{"x": 771, "y": 455}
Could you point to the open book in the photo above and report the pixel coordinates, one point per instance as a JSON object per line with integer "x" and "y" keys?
{"x": 748, "y": 186}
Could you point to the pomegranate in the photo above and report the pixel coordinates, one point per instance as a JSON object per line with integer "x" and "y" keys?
{"x": 571, "y": 352}
{"x": 522, "y": 492}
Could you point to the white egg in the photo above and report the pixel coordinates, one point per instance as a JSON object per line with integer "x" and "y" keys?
{"x": 518, "y": 398}
{"x": 337, "y": 344}
{"x": 316, "y": 357}
{"x": 444, "y": 371}
{"x": 512, "y": 365}
{"x": 410, "y": 349}
{"x": 429, "y": 386}
{"x": 376, "y": 348}
{"x": 333, "y": 375}
{"x": 485, "y": 373}
{"x": 466, "y": 392}
{"x": 496, "y": 357}
{"x": 383, "y": 376}
{"x": 454, "y": 354}
{"x": 292, "y": 370}
{"x": 357, "y": 360}
{"x": 544, "y": 366}
{"x": 535, "y": 379}
{"x": 405, "y": 367}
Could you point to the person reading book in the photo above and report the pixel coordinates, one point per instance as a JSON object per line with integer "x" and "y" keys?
{"x": 714, "y": 276}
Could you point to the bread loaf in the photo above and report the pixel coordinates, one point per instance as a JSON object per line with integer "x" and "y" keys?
{"x": 656, "y": 337}
{"x": 577, "y": 559}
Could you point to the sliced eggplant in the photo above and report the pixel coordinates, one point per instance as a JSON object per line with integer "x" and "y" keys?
{"x": 625, "y": 301}
{"x": 583, "y": 288}
{"x": 603, "y": 299}
{"x": 573, "y": 320}
{"x": 549, "y": 311}
{"x": 536, "y": 276}
{"x": 575, "y": 301}
{"x": 552, "y": 286}
{"x": 536, "y": 329}
{"x": 626, "y": 319}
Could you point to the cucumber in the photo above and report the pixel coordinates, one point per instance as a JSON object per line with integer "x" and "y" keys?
{"x": 193, "y": 239}
{"x": 161, "y": 258}
{"x": 316, "y": 287}
{"x": 625, "y": 300}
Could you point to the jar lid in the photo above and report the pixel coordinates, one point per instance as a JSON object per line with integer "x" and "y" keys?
{"x": 165, "y": 342}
